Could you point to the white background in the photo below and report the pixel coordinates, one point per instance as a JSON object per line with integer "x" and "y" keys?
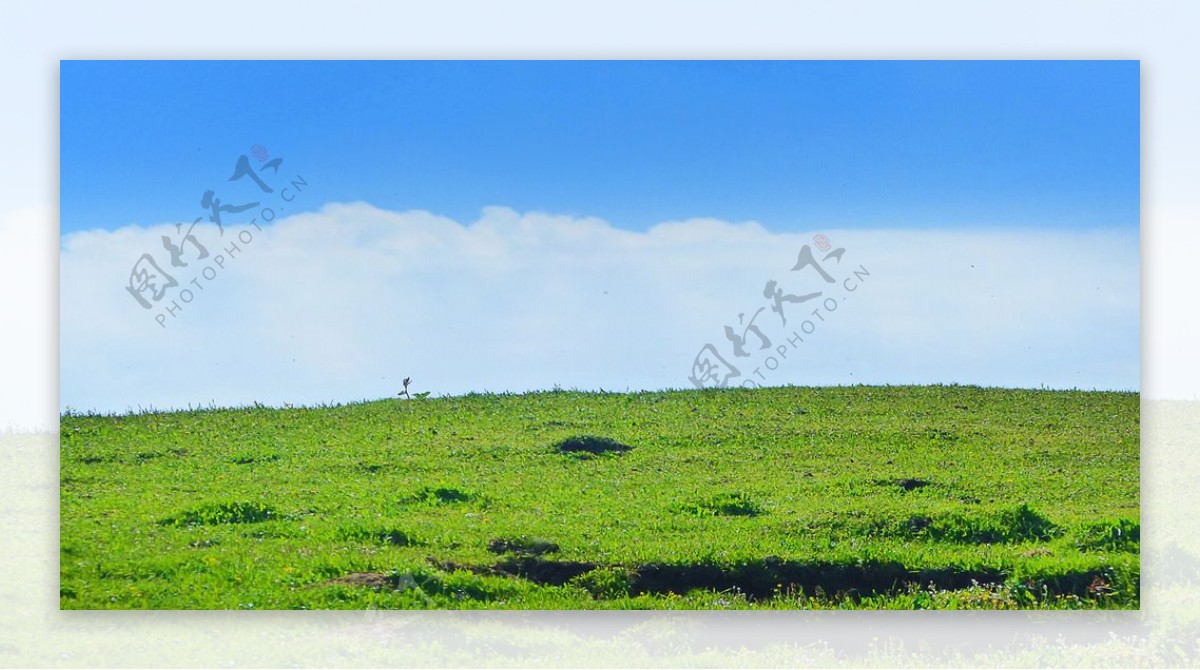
{"x": 34, "y": 36}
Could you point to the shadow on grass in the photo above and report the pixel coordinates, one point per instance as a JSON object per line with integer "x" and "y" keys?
{"x": 765, "y": 578}
{"x": 590, "y": 445}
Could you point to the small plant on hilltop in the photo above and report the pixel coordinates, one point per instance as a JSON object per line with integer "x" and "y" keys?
{"x": 419, "y": 396}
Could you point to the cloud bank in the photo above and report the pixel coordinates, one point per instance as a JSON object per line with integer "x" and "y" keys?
{"x": 341, "y": 304}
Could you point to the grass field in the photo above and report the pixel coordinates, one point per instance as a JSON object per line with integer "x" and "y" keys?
{"x": 845, "y": 497}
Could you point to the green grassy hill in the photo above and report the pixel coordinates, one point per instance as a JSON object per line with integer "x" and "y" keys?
{"x": 863, "y": 497}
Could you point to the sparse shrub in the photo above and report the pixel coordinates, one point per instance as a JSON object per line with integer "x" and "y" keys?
{"x": 590, "y": 445}
{"x": 607, "y": 582}
{"x": 1014, "y": 524}
{"x": 530, "y": 546}
{"x": 275, "y": 531}
{"x": 248, "y": 458}
{"x": 912, "y": 484}
{"x": 92, "y": 459}
{"x": 1109, "y": 535}
{"x": 441, "y": 495}
{"x": 918, "y": 523}
{"x": 941, "y": 435}
{"x": 227, "y": 512}
{"x": 725, "y": 504}
{"x": 390, "y": 536}
{"x": 908, "y": 483}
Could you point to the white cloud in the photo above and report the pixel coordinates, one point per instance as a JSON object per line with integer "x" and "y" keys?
{"x": 342, "y": 304}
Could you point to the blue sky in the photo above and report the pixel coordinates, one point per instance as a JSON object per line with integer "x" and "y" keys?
{"x": 792, "y": 145}
{"x": 513, "y": 226}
